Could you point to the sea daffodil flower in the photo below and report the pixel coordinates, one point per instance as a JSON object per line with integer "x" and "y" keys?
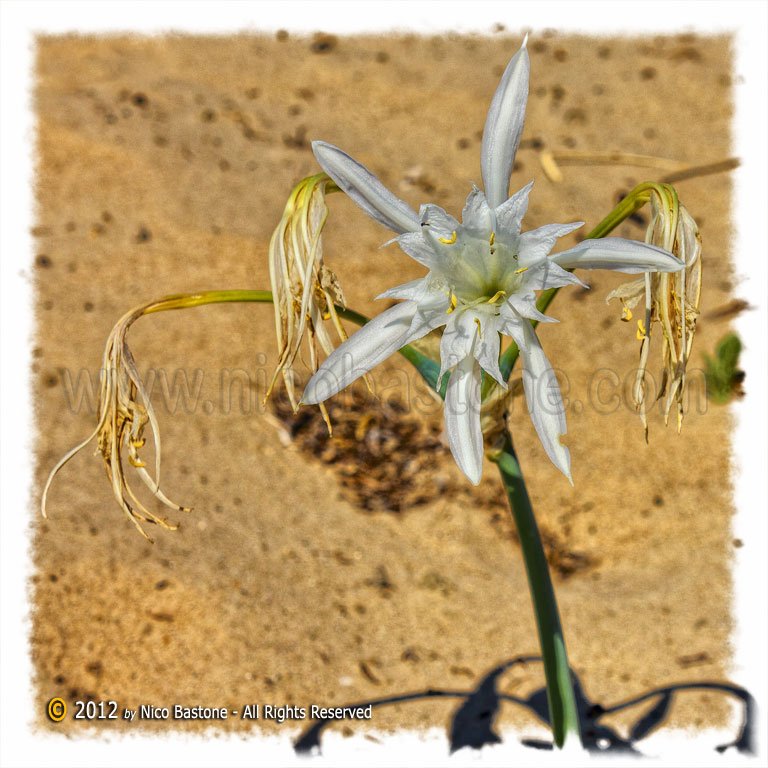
{"x": 483, "y": 274}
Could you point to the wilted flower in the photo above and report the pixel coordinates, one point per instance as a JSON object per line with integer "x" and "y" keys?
{"x": 671, "y": 300}
{"x": 481, "y": 282}
{"x": 305, "y": 291}
{"x": 124, "y": 412}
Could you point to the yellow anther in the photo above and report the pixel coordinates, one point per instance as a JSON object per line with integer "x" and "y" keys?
{"x": 521, "y": 270}
{"x": 454, "y": 302}
{"x": 493, "y": 238}
{"x": 626, "y": 314}
{"x": 496, "y": 296}
{"x": 641, "y": 332}
{"x": 448, "y": 240}
{"x": 479, "y": 327}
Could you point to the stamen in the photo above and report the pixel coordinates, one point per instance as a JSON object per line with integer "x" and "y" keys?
{"x": 492, "y": 239}
{"x": 479, "y": 327}
{"x": 496, "y": 296}
{"x": 626, "y": 314}
{"x": 641, "y": 332}
{"x": 448, "y": 240}
{"x": 521, "y": 270}
{"x": 454, "y": 302}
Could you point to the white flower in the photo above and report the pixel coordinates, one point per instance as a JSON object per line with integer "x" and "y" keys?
{"x": 483, "y": 274}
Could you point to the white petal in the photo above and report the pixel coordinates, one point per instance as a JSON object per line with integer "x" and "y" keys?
{"x": 430, "y": 314}
{"x": 365, "y": 189}
{"x": 373, "y": 343}
{"x": 525, "y": 306}
{"x": 416, "y": 246}
{"x": 503, "y": 128}
{"x": 617, "y": 253}
{"x": 462, "y": 419}
{"x": 458, "y": 340}
{"x": 487, "y": 348}
{"x": 477, "y": 215}
{"x": 511, "y": 324}
{"x": 547, "y": 274}
{"x": 436, "y": 218}
{"x": 412, "y": 291}
{"x": 510, "y": 214}
{"x": 537, "y": 243}
{"x": 545, "y": 404}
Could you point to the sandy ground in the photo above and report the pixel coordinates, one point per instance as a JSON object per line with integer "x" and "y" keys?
{"x": 163, "y": 166}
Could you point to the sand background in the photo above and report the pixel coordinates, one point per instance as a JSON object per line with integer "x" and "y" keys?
{"x": 163, "y": 166}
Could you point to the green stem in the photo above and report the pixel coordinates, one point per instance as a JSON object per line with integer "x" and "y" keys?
{"x": 563, "y": 712}
{"x": 425, "y": 365}
{"x": 562, "y": 701}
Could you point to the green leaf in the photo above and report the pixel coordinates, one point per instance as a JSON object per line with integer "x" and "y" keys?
{"x": 722, "y": 371}
{"x": 427, "y": 367}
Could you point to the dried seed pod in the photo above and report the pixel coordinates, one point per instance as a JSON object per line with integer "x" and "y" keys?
{"x": 671, "y": 300}
{"x": 306, "y": 292}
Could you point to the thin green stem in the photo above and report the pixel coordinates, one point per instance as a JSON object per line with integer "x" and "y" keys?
{"x": 563, "y": 712}
{"x": 425, "y": 365}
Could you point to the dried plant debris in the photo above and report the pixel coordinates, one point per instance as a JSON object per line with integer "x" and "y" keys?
{"x": 389, "y": 459}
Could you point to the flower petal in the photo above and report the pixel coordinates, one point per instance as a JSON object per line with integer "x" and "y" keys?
{"x": 477, "y": 215}
{"x": 545, "y": 403}
{"x": 411, "y": 291}
{"x": 458, "y": 340}
{"x": 430, "y": 314}
{"x": 511, "y": 324}
{"x": 617, "y": 253}
{"x": 365, "y": 189}
{"x": 535, "y": 244}
{"x": 436, "y": 218}
{"x": 462, "y": 419}
{"x": 487, "y": 348}
{"x": 525, "y": 306}
{"x": 503, "y": 128}
{"x": 417, "y": 247}
{"x": 365, "y": 349}
{"x": 510, "y": 214}
{"x": 547, "y": 274}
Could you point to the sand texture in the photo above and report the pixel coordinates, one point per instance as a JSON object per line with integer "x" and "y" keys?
{"x": 328, "y": 572}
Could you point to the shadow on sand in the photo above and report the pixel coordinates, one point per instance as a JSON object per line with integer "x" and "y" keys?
{"x": 472, "y": 724}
